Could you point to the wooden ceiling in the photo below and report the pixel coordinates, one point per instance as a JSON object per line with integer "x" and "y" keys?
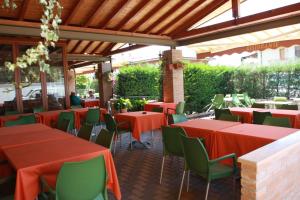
{"x": 159, "y": 20}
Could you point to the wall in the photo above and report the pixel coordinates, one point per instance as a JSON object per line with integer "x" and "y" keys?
{"x": 272, "y": 172}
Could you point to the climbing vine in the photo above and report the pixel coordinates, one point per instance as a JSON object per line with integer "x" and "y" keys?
{"x": 39, "y": 54}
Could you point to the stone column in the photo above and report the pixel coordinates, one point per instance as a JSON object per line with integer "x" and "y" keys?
{"x": 105, "y": 85}
{"x": 173, "y": 90}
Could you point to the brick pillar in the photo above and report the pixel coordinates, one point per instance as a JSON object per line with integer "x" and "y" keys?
{"x": 105, "y": 86}
{"x": 173, "y": 90}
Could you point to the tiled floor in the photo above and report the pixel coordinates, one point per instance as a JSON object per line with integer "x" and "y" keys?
{"x": 139, "y": 170}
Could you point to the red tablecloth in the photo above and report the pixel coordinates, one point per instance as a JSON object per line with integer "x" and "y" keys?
{"x": 91, "y": 103}
{"x": 244, "y": 138}
{"x": 80, "y": 115}
{"x": 49, "y": 117}
{"x": 31, "y": 161}
{"x": 247, "y": 114}
{"x": 165, "y": 106}
{"x": 203, "y": 128}
{"x": 3, "y": 119}
{"x": 140, "y": 122}
{"x": 23, "y": 129}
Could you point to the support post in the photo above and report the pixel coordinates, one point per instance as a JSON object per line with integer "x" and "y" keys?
{"x": 105, "y": 85}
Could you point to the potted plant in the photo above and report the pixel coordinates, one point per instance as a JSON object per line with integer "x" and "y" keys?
{"x": 123, "y": 105}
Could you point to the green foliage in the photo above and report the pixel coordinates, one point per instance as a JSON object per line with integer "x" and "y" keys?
{"x": 138, "y": 81}
{"x": 122, "y": 104}
{"x": 138, "y": 104}
{"x": 82, "y": 82}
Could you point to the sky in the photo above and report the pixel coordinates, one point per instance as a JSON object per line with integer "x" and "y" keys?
{"x": 249, "y": 7}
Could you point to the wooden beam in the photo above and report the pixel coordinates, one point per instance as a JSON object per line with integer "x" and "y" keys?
{"x": 112, "y": 13}
{"x": 267, "y": 16}
{"x": 80, "y": 57}
{"x": 74, "y": 47}
{"x": 86, "y": 47}
{"x": 235, "y": 8}
{"x": 11, "y": 27}
{"x": 166, "y": 15}
{"x": 239, "y": 30}
{"x": 94, "y": 13}
{"x": 151, "y": 12}
{"x": 83, "y": 64}
{"x": 75, "y": 9}
{"x": 97, "y": 47}
{"x": 108, "y": 49}
{"x": 180, "y": 16}
{"x": 198, "y": 16}
{"x": 23, "y": 9}
{"x": 122, "y": 50}
{"x": 131, "y": 14}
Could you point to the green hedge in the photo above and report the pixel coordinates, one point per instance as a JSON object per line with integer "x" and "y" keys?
{"x": 202, "y": 82}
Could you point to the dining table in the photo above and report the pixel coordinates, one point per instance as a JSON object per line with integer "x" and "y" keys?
{"x": 206, "y": 129}
{"x": 91, "y": 103}
{"x": 171, "y": 106}
{"x": 43, "y": 152}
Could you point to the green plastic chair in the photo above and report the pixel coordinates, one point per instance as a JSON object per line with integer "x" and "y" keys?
{"x": 287, "y": 107}
{"x": 69, "y": 116}
{"x": 118, "y": 129}
{"x": 158, "y": 109}
{"x": 92, "y": 116}
{"x": 105, "y": 138}
{"x": 259, "y": 117}
{"x": 247, "y": 100}
{"x": 236, "y": 101}
{"x": 229, "y": 117}
{"x": 258, "y": 105}
{"x": 218, "y": 101}
{"x": 197, "y": 160}
{"x": 64, "y": 125}
{"x": 177, "y": 118}
{"x": 179, "y": 108}
{"x": 218, "y": 112}
{"x": 11, "y": 112}
{"x": 171, "y": 144}
{"x": 78, "y": 181}
{"x": 22, "y": 120}
{"x": 275, "y": 121}
{"x": 85, "y": 132}
{"x": 38, "y": 109}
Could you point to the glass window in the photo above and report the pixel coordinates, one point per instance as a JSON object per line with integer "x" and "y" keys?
{"x": 55, "y": 81}
{"x": 31, "y": 85}
{"x": 7, "y": 88}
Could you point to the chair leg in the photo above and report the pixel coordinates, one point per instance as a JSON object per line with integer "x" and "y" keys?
{"x": 162, "y": 169}
{"x": 181, "y": 184}
{"x": 152, "y": 138}
{"x": 120, "y": 140}
{"x": 207, "y": 189}
{"x": 188, "y": 181}
{"x": 115, "y": 144}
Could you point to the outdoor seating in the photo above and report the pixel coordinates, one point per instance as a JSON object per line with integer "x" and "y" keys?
{"x": 177, "y": 118}
{"x": 274, "y": 121}
{"x": 70, "y": 116}
{"x": 78, "y": 180}
{"x": 218, "y": 112}
{"x": 287, "y": 107}
{"x": 85, "y": 132}
{"x": 105, "y": 138}
{"x": 229, "y": 117}
{"x": 259, "y": 117}
{"x": 258, "y": 105}
{"x": 22, "y": 120}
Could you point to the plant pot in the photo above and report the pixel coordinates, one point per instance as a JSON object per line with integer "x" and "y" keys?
{"x": 123, "y": 110}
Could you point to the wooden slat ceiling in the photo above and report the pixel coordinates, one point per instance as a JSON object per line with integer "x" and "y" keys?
{"x": 164, "y": 18}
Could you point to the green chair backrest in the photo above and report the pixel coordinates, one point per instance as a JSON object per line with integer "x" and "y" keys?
{"x": 172, "y": 141}
{"x": 11, "y": 112}
{"x": 158, "y": 109}
{"x": 180, "y": 107}
{"x": 93, "y": 116}
{"x": 22, "y": 120}
{"x": 274, "y": 121}
{"x": 218, "y": 112}
{"x": 69, "y": 116}
{"x": 195, "y": 155}
{"x": 247, "y": 99}
{"x": 85, "y": 132}
{"x": 280, "y": 99}
{"x": 105, "y": 138}
{"x": 38, "y": 109}
{"x": 82, "y": 180}
{"x": 287, "y": 107}
{"x": 258, "y": 105}
{"x": 229, "y": 117}
{"x": 64, "y": 125}
{"x": 235, "y": 100}
{"x": 259, "y": 117}
{"x": 218, "y": 101}
{"x": 110, "y": 123}
{"x": 177, "y": 118}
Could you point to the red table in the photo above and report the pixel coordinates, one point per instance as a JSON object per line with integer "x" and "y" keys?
{"x": 23, "y": 129}
{"x": 165, "y": 106}
{"x": 80, "y": 115}
{"x": 91, "y": 103}
{"x": 206, "y": 129}
{"x": 140, "y": 122}
{"x": 244, "y": 138}
{"x": 49, "y": 117}
{"x": 247, "y": 114}
{"x": 5, "y": 118}
{"x": 32, "y": 160}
